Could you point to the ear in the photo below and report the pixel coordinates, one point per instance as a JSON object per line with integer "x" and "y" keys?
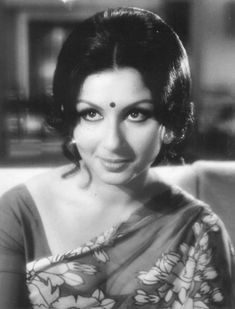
{"x": 167, "y": 136}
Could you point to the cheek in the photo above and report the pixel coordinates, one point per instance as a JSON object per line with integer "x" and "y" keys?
{"x": 148, "y": 142}
{"x": 152, "y": 145}
{"x": 85, "y": 138}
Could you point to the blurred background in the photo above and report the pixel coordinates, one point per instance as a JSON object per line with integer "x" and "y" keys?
{"x": 32, "y": 32}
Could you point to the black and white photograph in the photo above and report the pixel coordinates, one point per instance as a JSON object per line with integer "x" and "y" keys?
{"x": 117, "y": 154}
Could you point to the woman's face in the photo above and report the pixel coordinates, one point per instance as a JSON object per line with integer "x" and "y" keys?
{"x": 117, "y": 135}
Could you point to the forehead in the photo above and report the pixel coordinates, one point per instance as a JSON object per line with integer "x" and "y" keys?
{"x": 116, "y": 85}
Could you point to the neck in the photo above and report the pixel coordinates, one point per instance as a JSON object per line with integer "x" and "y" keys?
{"x": 134, "y": 191}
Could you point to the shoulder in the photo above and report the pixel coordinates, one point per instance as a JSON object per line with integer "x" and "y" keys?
{"x": 200, "y": 223}
{"x": 206, "y": 227}
{"x": 195, "y": 212}
{"x": 189, "y": 212}
{"x": 176, "y": 201}
{"x": 196, "y": 209}
{"x": 15, "y": 207}
{"x": 14, "y": 200}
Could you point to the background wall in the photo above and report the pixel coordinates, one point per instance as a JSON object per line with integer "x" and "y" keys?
{"x": 213, "y": 37}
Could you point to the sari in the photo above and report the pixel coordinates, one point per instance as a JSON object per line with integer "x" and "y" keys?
{"x": 174, "y": 255}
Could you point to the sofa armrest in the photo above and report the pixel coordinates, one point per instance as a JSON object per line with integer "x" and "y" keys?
{"x": 216, "y": 186}
{"x": 10, "y": 177}
{"x": 183, "y": 176}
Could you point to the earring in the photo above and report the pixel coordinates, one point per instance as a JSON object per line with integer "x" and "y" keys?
{"x": 71, "y": 145}
{"x": 71, "y": 151}
{"x": 72, "y": 142}
{"x": 168, "y": 137}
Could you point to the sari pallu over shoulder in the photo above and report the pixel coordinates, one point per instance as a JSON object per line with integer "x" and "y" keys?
{"x": 178, "y": 257}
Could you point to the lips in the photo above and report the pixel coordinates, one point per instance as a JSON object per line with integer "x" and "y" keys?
{"x": 114, "y": 164}
{"x": 114, "y": 160}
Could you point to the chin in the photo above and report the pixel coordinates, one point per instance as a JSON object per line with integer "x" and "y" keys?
{"x": 115, "y": 178}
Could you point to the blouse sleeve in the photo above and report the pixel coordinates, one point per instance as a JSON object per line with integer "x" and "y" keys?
{"x": 214, "y": 277}
{"x": 12, "y": 258}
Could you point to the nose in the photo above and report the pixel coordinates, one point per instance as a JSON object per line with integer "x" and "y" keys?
{"x": 114, "y": 137}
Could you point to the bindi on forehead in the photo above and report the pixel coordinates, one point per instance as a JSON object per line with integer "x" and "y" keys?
{"x": 112, "y": 104}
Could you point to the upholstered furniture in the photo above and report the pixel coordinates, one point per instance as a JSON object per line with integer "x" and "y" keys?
{"x": 210, "y": 181}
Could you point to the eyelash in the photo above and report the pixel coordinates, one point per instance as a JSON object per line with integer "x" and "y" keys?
{"x": 145, "y": 113}
{"x": 84, "y": 114}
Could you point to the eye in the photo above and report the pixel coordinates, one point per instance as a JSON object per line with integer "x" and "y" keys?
{"x": 139, "y": 115}
{"x": 90, "y": 115}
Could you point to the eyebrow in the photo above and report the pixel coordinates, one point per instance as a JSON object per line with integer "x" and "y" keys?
{"x": 149, "y": 101}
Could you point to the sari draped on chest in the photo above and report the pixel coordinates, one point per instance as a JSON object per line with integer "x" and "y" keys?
{"x": 176, "y": 257}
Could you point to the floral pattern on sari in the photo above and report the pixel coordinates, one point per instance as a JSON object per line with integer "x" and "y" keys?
{"x": 46, "y": 276}
{"x": 184, "y": 279}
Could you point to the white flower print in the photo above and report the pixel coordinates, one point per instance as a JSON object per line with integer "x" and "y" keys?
{"x": 58, "y": 274}
{"x": 197, "y": 228}
{"x": 217, "y": 295}
{"x": 43, "y": 296}
{"x": 47, "y": 282}
{"x": 96, "y": 301}
{"x": 46, "y": 276}
{"x": 210, "y": 273}
{"x": 161, "y": 270}
{"x": 143, "y": 298}
{"x": 205, "y": 288}
{"x": 84, "y": 268}
{"x": 212, "y": 221}
{"x": 96, "y": 245}
{"x": 101, "y": 255}
{"x": 183, "y": 280}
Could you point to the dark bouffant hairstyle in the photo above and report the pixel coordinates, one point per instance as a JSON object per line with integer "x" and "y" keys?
{"x": 125, "y": 37}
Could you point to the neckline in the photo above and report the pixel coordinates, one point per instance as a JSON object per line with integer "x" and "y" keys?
{"x": 131, "y": 223}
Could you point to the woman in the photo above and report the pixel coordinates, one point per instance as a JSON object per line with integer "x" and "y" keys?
{"x": 104, "y": 231}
